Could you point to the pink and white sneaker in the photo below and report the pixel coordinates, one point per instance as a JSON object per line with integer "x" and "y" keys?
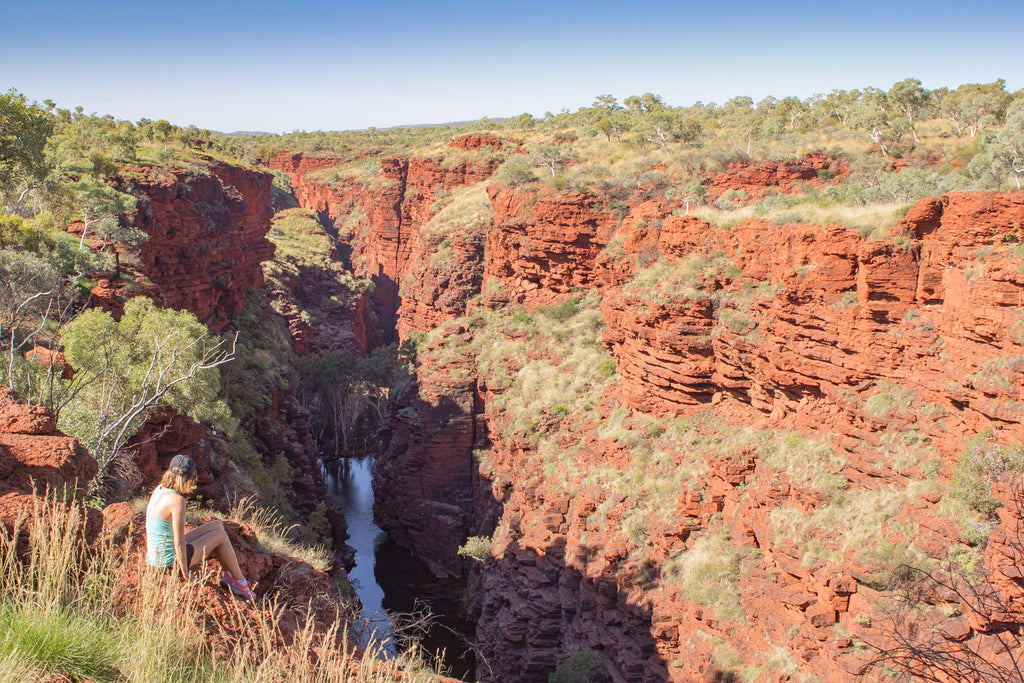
{"x": 239, "y": 588}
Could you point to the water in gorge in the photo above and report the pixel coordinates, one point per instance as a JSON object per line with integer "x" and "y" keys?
{"x": 350, "y": 479}
{"x": 389, "y": 580}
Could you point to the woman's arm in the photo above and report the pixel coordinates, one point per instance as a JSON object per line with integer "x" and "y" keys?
{"x": 178, "y": 529}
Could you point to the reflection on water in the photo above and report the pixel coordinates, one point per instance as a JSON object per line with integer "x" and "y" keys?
{"x": 408, "y": 585}
{"x": 351, "y": 480}
{"x": 388, "y": 578}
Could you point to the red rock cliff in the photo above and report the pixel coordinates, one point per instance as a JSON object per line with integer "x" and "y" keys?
{"x": 206, "y": 237}
{"x": 36, "y": 459}
{"x": 890, "y": 354}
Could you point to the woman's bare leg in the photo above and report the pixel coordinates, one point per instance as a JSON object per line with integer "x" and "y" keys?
{"x": 210, "y": 539}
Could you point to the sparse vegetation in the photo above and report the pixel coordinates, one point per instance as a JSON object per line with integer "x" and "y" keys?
{"x": 274, "y": 536}
{"x": 581, "y": 667}
{"x": 984, "y": 463}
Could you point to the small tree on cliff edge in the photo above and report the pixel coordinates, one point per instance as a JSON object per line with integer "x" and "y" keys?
{"x": 24, "y": 130}
{"x": 126, "y": 370}
{"x": 552, "y": 157}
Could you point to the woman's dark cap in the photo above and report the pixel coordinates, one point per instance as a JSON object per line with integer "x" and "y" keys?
{"x": 183, "y": 465}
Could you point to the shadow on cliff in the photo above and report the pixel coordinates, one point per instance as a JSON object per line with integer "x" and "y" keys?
{"x": 386, "y": 302}
{"x": 537, "y": 609}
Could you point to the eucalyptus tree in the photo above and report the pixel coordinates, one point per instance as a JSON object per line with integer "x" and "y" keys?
{"x": 100, "y": 207}
{"x": 739, "y": 114}
{"x": 792, "y": 110}
{"x": 642, "y": 105}
{"x": 128, "y": 369}
{"x": 872, "y": 114}
{"x": 836, "y": 106}
{"x": 609, "y": 117}
{"x": 1010, "y": 140}
{"x": 972, "y": 104}
{"x": 25, "y": 129}
{"x": 912, "y": 100}
{"x": 552, "y": 156}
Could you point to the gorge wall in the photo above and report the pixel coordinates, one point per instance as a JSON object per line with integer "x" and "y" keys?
{"x": 206, "y": 237}
{"x": 380, "y": 218}
{"x": 899, "y": 353}
{"x": 205, "y": 246}
{"x": 771, "y": 434}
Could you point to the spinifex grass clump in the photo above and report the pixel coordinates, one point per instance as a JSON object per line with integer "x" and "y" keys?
{"x": 706, "y": 573}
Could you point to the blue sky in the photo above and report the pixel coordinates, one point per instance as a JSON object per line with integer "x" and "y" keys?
{"x": 318, "y": 64}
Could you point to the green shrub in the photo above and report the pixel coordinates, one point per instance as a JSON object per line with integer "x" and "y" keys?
{"x": 477, "y": 548}
{"x": 731, "y": 199}
{"x": 982, "y": 464}
{"x": 707, "y": 571}
{"x": 563, "y": 311}
{"x": 516, "y": 171}
{"x": 606, "y": 368}
{"x": 581, "y": 667}
{"x": 737, "y": 321}
{"x": 522, "y": 317}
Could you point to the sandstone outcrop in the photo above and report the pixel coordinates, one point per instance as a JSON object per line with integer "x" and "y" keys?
{"x": 758, "y": 179}
{"x": 36, "y": 459}
{"x": 475, "y": 141}
{"x": 293, "y": 582}
{"x": 206, "y": 237}
{"x": 543, "y": 245}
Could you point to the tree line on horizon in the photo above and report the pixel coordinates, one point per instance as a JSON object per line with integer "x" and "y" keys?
{"x": 56, "y": 159}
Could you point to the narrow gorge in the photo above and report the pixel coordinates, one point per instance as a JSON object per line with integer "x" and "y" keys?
{"x": 687, "y": 448}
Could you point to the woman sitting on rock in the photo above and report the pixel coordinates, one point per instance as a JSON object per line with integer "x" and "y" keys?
{"x": 167, "y": 544}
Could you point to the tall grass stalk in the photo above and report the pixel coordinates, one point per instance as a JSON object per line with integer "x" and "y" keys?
{"x": 93, "y": 611}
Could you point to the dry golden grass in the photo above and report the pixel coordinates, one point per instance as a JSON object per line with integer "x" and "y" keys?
{"x": 870, "y": 218}
{"x": 706, "y": 572}
{"x": 464, "y": 210}
{"x": 66, "y": 611}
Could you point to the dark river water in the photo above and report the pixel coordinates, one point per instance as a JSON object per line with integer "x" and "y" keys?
{"x": 391, "y": 582}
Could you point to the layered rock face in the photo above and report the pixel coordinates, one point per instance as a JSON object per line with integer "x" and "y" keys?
{"x": 544, "y": 245}
{"x": 836, "y": 312}
{"x": 330, "y": 200}
{"x": 837, "y": 363}
{"x": 430, "y": 464}
{"x": 37, "y": 459}
{"x": 757, "y": 180}
{"x": 206, "y": 237}
{"x": 381, "y": 221}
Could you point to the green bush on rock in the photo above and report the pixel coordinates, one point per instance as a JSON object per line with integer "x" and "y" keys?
{"x": 581, "y": 667}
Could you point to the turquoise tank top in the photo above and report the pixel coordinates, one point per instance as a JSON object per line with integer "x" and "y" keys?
{"x": 159, "y": 534}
